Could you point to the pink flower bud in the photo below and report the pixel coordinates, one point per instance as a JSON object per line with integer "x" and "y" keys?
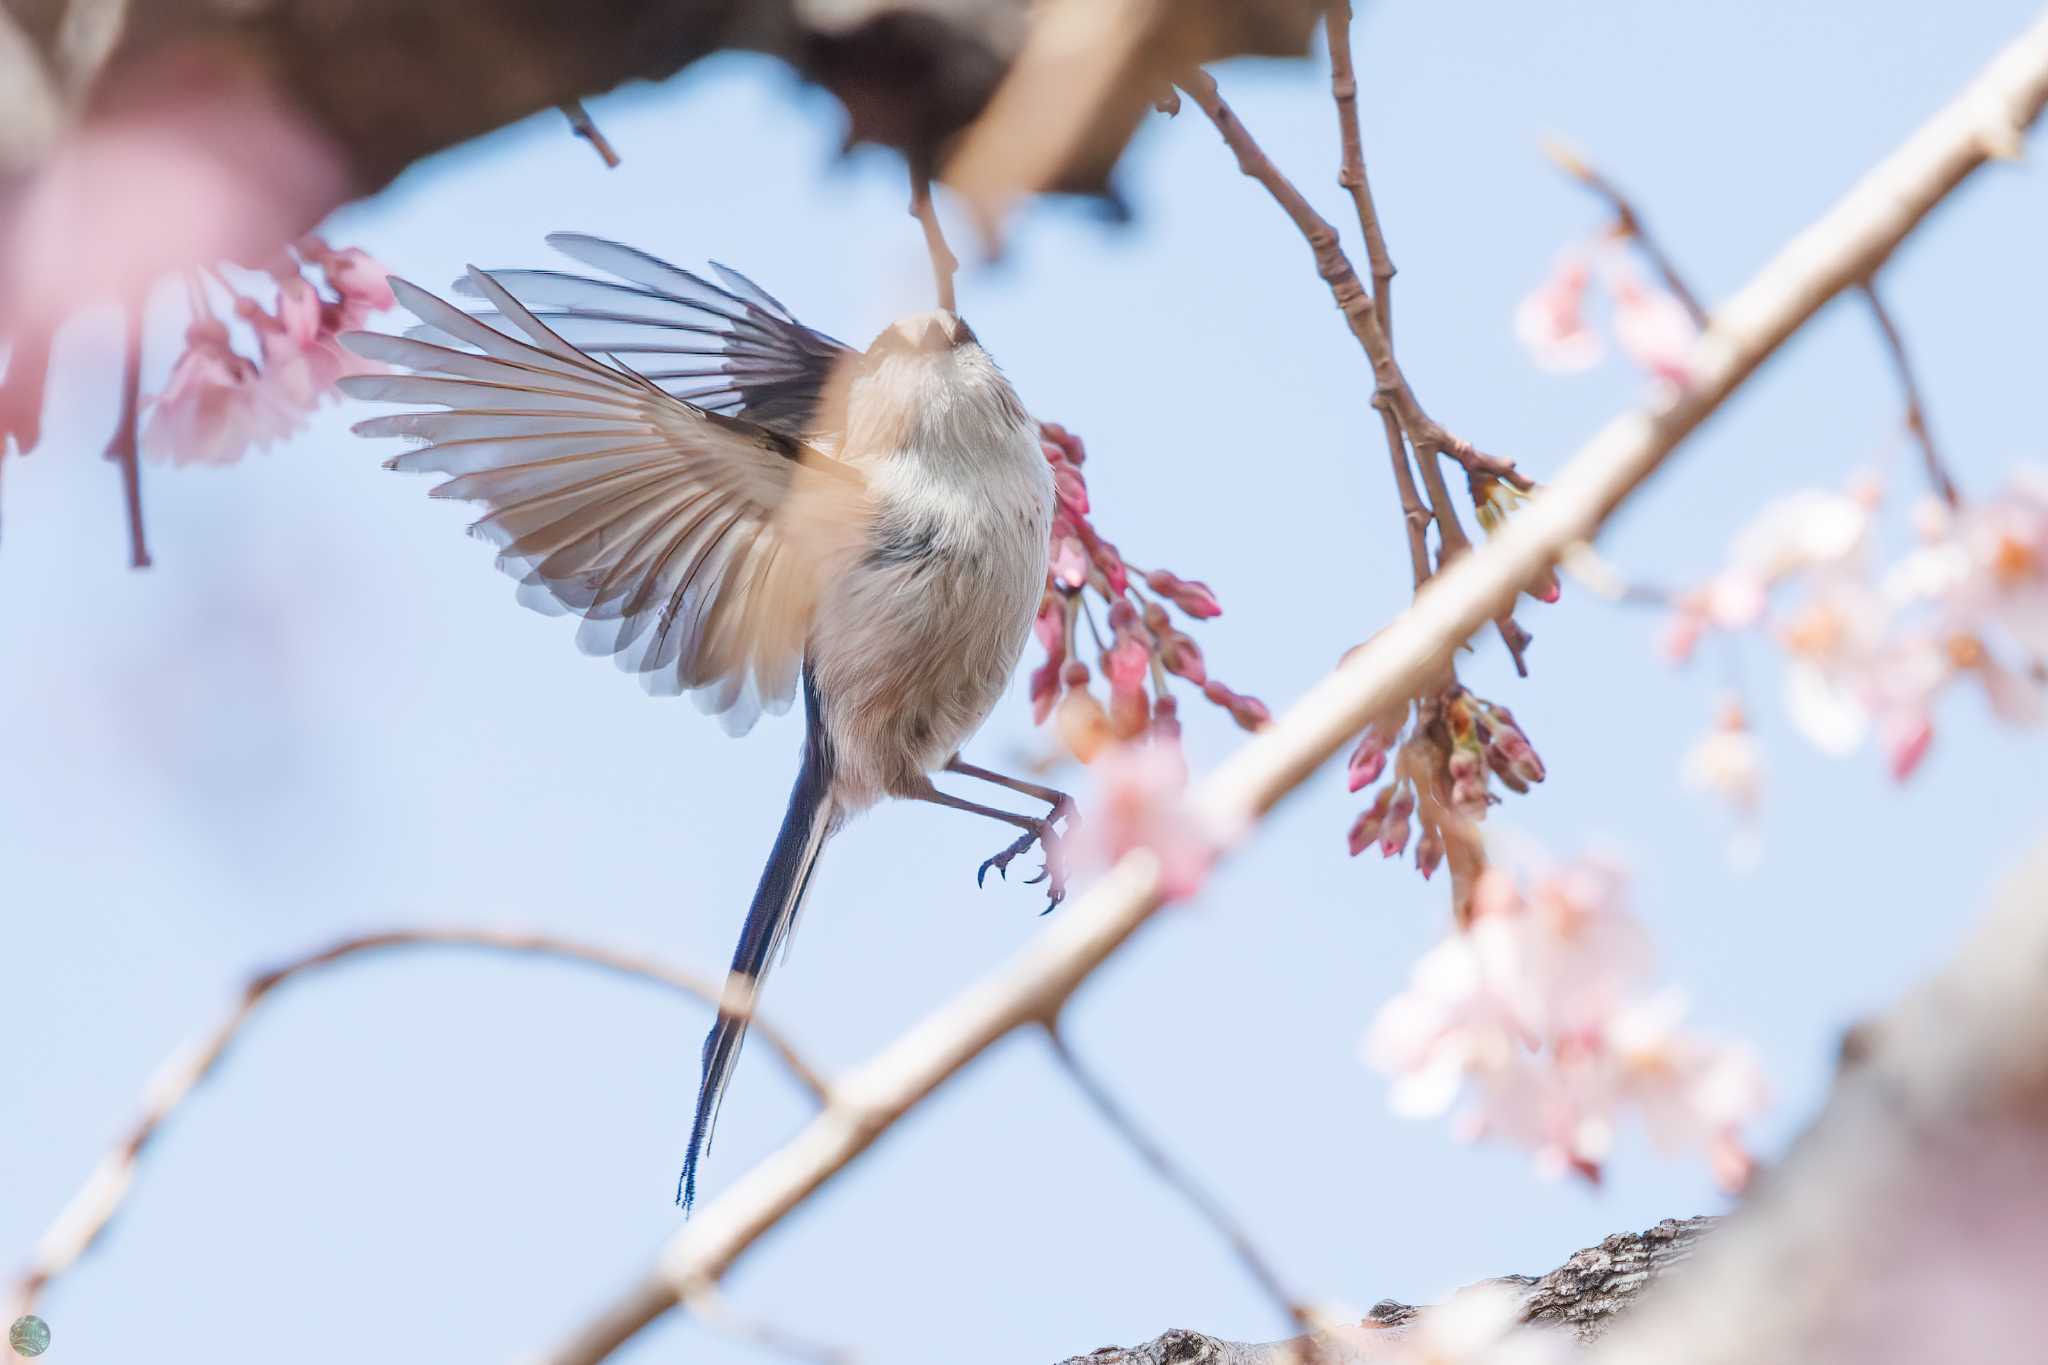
{"x": 1045, "y": 689}
{"x": 1069, "y": 563}
{"x": 1071, "y": 491}
{"x": 1429, "y": 850}
{"x": 1394, "y": 834}
{"x": 1368, "y": 761}
{"x": 1365, "y": 830}
{"x": 1191, "y": 597}
{"x": 1126, "y": 664}
{"x": 1083, "y": 724}
{"x": 1130, "y": 712}
{"x": 1182, "y": 657}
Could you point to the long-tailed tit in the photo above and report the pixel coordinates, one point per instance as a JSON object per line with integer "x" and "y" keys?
{"x": 779, "y": 510}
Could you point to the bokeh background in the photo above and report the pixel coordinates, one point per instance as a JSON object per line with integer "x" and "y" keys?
{"x": 322, "y": 712}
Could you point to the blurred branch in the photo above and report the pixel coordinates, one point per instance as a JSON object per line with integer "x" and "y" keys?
{"x": 1921, "y": 1183}
{"x": 1205, "y": 1205}
{"x": 125, "y": 449}
{"x": 1087, "y": 72}
{"x": 1916, "y": 410}
{"x": 585, "y": 127}
{"x": 1834, "y": 253}
{"x": 1628, "y": 223}
{"x": 945, "y": 265}
{"x": 94, "y": 1206}
{"x": 1586, "y": 1296}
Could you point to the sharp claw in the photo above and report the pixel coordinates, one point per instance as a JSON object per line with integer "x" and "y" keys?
{"x": 981, "y": 876}
{"x": 1043, "y": 873}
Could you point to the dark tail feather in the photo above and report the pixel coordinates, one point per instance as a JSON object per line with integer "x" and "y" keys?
{"x": 777, "y": 901}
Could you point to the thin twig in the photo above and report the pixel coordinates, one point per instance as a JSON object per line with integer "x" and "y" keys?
{"x": 1205, "y": 1205}
{"x": 1628, "y": 223}
{"x": 585, "y": 127}
{"x": 1845, "y": 246}
{"x": 95, "y": 1205}
{"x": 1415, "y": 517}
{"x": 1351, "y": 174}
{"x": 1425, "y": 433}
{"x": 945, "y": 265}
{"x": 714, "y": 1310}
{"x": 1916, "y": 410}
{"x": 124, "y": 449}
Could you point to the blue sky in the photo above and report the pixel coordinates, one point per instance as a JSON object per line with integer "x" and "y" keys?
{"x": 323, "y": 712}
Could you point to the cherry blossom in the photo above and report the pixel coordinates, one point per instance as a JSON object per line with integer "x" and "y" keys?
{"x": 1140, "y": 803}
{"x": 1144, "y": 648}
{"x": 215, "y": 406}
{"x": 219, "y": 404}
{"x": 1652, "y": 326}
{"x": 1538, "y": 1010}
{"x": 1869, "y": 650}
{"x": 1551, "y": 321}
{"x": 1727, "y": 762}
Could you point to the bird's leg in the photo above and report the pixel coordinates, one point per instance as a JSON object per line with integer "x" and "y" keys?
{"x": 1036, "y": 831}
{"x": 1061, "y": 803}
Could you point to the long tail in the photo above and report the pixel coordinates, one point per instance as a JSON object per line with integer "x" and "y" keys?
{"x": 777, "y": 902}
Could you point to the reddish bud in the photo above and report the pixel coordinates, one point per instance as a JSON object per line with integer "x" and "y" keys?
{"x": 1190, "y": 596}
{"x": 1394, "y": 833}
{"x": 1368, "y": 761}
{"x": 1365, "y": 830}
{"x": 1182, "y": 657}
{"x": 1429, "y": 850}
{"x": 1130, "y": 712}
{"x": 1072, "y": 492}
{"x": 1125, "y": 665}
{"x": 1083, "y": 724}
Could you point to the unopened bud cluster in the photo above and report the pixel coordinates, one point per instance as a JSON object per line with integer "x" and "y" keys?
{"x": 1143, "y": 648}
{"x": 1443, "y": 774}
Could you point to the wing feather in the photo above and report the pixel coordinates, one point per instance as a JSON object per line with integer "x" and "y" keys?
{"x": 693, "y": 544}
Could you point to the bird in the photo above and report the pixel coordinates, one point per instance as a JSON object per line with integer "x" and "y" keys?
{"x": 741, "y": 508}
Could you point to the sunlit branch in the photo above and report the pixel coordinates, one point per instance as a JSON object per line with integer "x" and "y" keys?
{"x": 945, "y": 265}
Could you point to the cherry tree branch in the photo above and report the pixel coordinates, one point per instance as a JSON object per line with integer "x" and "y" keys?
{"x": 1831, "y": 255}
{"x": 1916, "y": 410}
{"x": 95, "y": 1205}
{"x": 125, "y": 449}
{"x": 1256, "y": 1264}
{"x": 1585, "y": 1296}
{"x": 1428, "y": 438}
{"x": 585, "y": 127}
{"x": 945, "y": 265}
{"x": 1628, "y": 224}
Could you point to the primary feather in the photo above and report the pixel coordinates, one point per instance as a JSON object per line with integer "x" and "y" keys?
{"x": 692, "y": 544}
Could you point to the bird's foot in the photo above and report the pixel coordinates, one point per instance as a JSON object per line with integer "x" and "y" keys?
{"x": 1055, "y": 870}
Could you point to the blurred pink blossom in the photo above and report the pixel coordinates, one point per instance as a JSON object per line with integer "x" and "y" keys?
{"x": 216, "y": 405}
{"x": 1141, "y": 802}
{"x": 1653, "y": 329}
{"x": 1537, "y": 1010}
{"x": 1551, "y": 321}
{"x": 225, "y": 165}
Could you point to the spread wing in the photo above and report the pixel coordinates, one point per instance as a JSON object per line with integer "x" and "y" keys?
{"x": 692, "y": 544}
{"x": 728, "y": 347}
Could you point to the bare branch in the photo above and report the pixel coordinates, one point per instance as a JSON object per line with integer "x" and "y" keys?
{"x": 1835, "y": 253}
{"x": 1916, "y": 410}
{"x": 96, "y": 1204}
{"x": 123, "y": 449}
{"x": 1351, "y": 174}
{"x": 1628, "y": 223}
{"x": 945, "y": 265}
{"x": 1210, "y": 1210}
{"x": 585, "y": 127}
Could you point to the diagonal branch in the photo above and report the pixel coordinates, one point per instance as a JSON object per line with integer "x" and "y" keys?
{"x": 82, "y": 1220}
{"x": 1835, "y": 253}
{"x": 1628, "y": 224}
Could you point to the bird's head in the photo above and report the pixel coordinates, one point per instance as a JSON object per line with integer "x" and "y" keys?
{"x": 935, "y": 333}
